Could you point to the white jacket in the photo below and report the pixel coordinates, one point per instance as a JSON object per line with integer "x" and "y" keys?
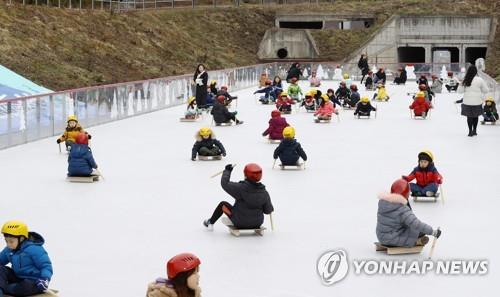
{"x": 475, "y": 94}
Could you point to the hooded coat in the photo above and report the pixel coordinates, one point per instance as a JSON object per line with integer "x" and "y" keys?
{"x": 289, "y": 151}
{"x": 276, "y": 126}
{"x": 209, "y": 143}
{"x": 80, "y": 160}
{"x": 425, "y": 176}
{"x": 397, "y": 225}
{"x": 420, "y": 105}
{"x": 325, "y": 110}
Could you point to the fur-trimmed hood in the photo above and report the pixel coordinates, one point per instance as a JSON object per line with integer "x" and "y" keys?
{"x": 162, "y": 290}
{"x": 393, "y": 198}
{"x": 198, "y": 137}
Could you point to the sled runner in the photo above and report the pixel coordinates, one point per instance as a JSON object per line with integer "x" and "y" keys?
{"x": 422, "y": 198}
{"x": 224, "y": 124}
{"x": 275, "y": 141}
{"x": 189, "y": 119}
{"x": 488, "y": 123}
{"x": 82, "y": 179}
{"x": 323, "y": 121}
{"x": 396, "y": 250}
{"x": 209, "y": 158}
{"x": 237, "y": 232}
{"x": 300, "y": 166}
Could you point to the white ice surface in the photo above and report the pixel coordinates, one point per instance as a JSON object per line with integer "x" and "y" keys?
{"x": 113, "y": 237}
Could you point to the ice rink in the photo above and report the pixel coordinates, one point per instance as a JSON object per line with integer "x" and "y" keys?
{"x": 112, "y": 237}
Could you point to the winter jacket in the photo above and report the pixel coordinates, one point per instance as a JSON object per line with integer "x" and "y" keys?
{"x": 437, "y": 86}
{"x": 422, "y": 81}
{"x": 354, "y": 99}
{"x": 30, "y": 260}
{"x": 420, "y": 105}
{"x": 326, "y": 110}
{"x": 80, "y": 160}
{"x": 294, "y": 90}
{"x": 315, "y": 81}
{"x": 425, "y": 176}
{"x": 369, "y": 82}
{"x": 289, "y": 151}
{"x": 71, "y": 133}
{"x": 363, "y": 66}
{"x": 276, "y": 126}
{"x": 220, "y": 113}
{"x": 209, "y": 143}
{"x": 397, "y": 225}
{"x": 491, "y": 110}
{"x": 294, "y": 71}
{"x": 280, "y": 102}
{"x": 164, "y": 288}
{"x": 267, "y": 91}
{"x": 362, "y": 108}
{"x": 474, "y": 94}
{"x": 252, "y": 201}
{"x": 343, "y": 93}
{"x": 382, "y": 94}
{"x": 381, "y": 77}
{"x": 403, "y": 77}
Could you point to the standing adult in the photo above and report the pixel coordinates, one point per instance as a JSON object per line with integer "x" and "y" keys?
{"x": 200, "y": 78}
{"x": 474, "y": 89}
{"x": 363, "y": 66}
{"x": 294, "y": 71}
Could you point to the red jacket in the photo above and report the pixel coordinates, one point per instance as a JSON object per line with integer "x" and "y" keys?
{"x": 425, "y": 176}
{"x": 276, "y": 126}
{"x": 326, "y": 110}
{"x": 420, "y": 105}
{"x": 281, "y": 102}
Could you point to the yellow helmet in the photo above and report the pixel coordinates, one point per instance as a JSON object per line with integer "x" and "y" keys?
{"x": 289, "y": 132}
{"x": 346, "y": 76}
{"x": 365, "y": 99}
{"x": 72, "y": 118}
{"x": 489, "y": 98}
{"x": 424, "y": 154}
{"x": 283, "y": 94}
{"x": 15, "y": 228}
{"x": 191, "y": 99}
{"x": 313, "y": 92}
{"x": 325, "y": 97}
{"x": 205, "y": 132}
{"x": 420, "y": 94}
{"x": 309, "y": 94}
{"x": 213, "y": 82}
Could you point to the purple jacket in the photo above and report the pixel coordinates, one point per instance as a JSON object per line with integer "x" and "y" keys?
{"x": 276, "y": 126}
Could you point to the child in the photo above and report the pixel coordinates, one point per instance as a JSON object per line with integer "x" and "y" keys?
{"x": 183, "y": 278}
{"x": 191, "y": 111}
{"x": 309, "y": 103}
{"x": 437, "y": 84}
{"x": 451, "y": 83}
{"x": 227, "y": 97}
{"x": 316, "y": 95}
{"x": 331, "y": 95}
{"x": 31, "y": 269}
{"x": 422, "y": 80}
{"x": 213, "y": 88}
{"x": 397, "y": 225}
{"x": 71, "y": 131}
{"x": 314, "y": 81}
{"x": 401, "y": 79}
{"x": 284, "y": 103}
{"x": 369, "y": 81}
{"x": 268, "y": 92}
{"x": 354, "y": 99}
{"x": 428, "y": 178}
{"x": 276, "y": 125}
{"x": 294, "y": 90}
{"x": 252, "y": 200}
{"x": 420, "y": 106}
{"x": 289, "y": 151}
{"x": 381, "y": 94}
{"x": 427, "y": 92}
{"x": 343, "y": 92}
{"x": 364, "y": 107}
{"x": 207, "y": 145}
{"x": 347, "y": 80}
{"x": 80, "y": 160}
{"x": 325, "y": 109}
{"x": 221, "y": 114}
{"x": 278, "y": 86}
{"x": 490, "y": 113}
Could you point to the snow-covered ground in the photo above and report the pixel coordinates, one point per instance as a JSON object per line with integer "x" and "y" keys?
{"x": 112, "y": 237}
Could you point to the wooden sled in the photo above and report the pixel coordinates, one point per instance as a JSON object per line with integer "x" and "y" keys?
{"x": 381, "y": 100}
{"x": 419, "y": 117}
{"x": 237, "y": 232}
{"x": 300, "y": 166}
{"x": 210, "y": 158}
{"x": 274, "y": 141}
{"x": 48, "y": 293}
{"x": 488, "y": 123}
{"x": 189, "y": 120}
{"x": 398, "y": 250}
{"x": 224, "y": 124}
{"x": 83, "y": 179}
{"x": 286, "y": 112}
{"x": 426, "y": 198}
{"x": 323, "y": 121}
{"x": 359, "y": 116}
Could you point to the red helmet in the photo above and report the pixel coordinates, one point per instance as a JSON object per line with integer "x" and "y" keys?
{"x": 275, "y": 113}
{"x": 180, "y": 263}
{"x": 221, "y": 98}
{"x": 422, "y": 87}
{"x": 223, "y": 88}
{"x": 354, "y": 87}
{"x": 401, "y": 187}
{"x": 450, "y": 73}
{"x": 82, "y": 138}
{"x": 253, "y": 172}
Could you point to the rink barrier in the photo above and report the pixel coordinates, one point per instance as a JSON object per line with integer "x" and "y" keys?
{"x": 31, "y": 118}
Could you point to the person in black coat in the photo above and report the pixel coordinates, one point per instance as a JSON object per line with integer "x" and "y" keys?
{"x": 363, "y": 66}
{"x": 200, "y": 78}
{"x": 364, "y": 107}
{"x": 401, "y": 79}
{"x": 206, "y": 144}
{"x": 252, "y": 199}
{"x": 294, "y": 71}
{"x": 422, "y": 80}
{"x": 289, "y": 151}
{"x": 379, "y": 76}
{"x": 221, "y": 114}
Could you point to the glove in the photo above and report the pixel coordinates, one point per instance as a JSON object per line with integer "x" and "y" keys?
{"x": 439, "y": 181}
{"x": 264, "y": 134}
{"x": 42, "y": 284}
{"x": 90, "y": 136}
{"x": 229, "y": 167}
{"x": 406, "y": 178}
{"x": 58, "y": 141}
{"x": 436, "y": 233}
{"x": 224, "y": 154}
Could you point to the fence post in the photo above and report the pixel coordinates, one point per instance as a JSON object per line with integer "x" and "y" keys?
{"x": 70, "y": 4}
{"x": 173, "y": 1}
{"x": 59, "y": 3}
{"x": 52, "y": 116}
{"x": 25, "y": 113}
{"x": 192, "y": 2}
{"x": 80, "y": 4}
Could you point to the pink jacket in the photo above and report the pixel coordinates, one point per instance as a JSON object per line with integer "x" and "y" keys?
{"x": 325, "y": 110}
{"x": 276, "y": 126}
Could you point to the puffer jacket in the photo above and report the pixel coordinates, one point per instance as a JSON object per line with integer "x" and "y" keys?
{"x": 275, "y": 129}
{"x": 420, "y": 105}
{"x": 252, "y": 201}
{"x": 491, "y": 110}
{"x": 382, "y": 94}
{"x": 71, "y": 133}
{"x": 80, "y": 160}
{"x": 364, "y": 108}
{"x": 280, "y": 102}
{"x": 425, "y": 176}
{"x": 474, "y": 94}
{"x": 326, "y": 110}
{"x": 289, "y": 151}
{"x": 294, "y": 90}
{"x": 437, "y": 86}
{"x": 163, "y": 288}
{"x": 343, "y": 93}
{"x": 220, "y": 113}
{"x": 208, "y": 143}
{"x": 30, "y": 261}
{"x": 397, "y": 225}
{"x": 354, "y": 99}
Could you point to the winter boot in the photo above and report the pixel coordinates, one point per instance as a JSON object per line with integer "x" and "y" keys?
{"x": 208, "y": 225}
{"x": 422, "y": 240}
{"x": 238, "y": 122}
{"x": 429, "y": 194}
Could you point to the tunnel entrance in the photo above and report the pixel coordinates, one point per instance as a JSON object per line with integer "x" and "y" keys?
{"x": 411, "y": 54}
{"x": 282, "y": 53}
{"x": 454, "y": 53}
{"x": 301, "y": 25}
{"x": 474, "y": 53}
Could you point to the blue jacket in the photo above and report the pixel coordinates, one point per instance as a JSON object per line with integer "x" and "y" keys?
{"x": 289, "y": 152}
{"x": 30, "y": 260}
{"x": 80, "y": 160}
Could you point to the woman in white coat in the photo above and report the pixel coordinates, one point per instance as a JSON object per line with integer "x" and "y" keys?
{"x": 475, "y": 90}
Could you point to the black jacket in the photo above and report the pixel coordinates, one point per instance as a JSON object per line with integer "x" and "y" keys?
{"x": 294, "y": 72}
{"x": 252, "y": 202}
{"x": 369, "y": 82}
{"x": 220, "y": 113}
{"x": 381, "y": 76}
{"x": 364, "y": 108}
{"x": 289, "y": 152}
{"x": 343, "y": 93}
{"x": 208, "y": 143}
{"x": 363, "y": 65}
